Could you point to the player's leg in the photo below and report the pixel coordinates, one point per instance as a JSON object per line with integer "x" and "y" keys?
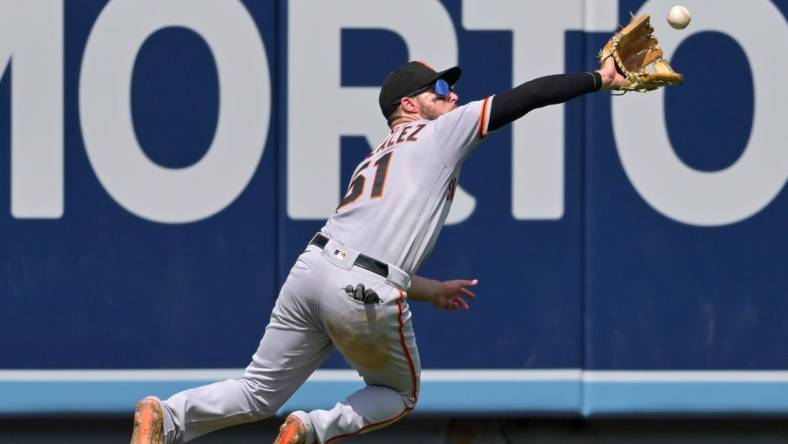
{"x": 378, "y": 341}
{"x": 293, "y": 346}
{"x": 267, "y": 383}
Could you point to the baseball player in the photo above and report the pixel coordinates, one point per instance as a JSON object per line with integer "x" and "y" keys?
{"x": 350, "y": 288}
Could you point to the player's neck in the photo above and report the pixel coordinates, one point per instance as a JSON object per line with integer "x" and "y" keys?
{"x": 406, "y": 118}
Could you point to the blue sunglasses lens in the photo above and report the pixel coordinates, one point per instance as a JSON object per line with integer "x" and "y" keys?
{"x": 442, "y": 87}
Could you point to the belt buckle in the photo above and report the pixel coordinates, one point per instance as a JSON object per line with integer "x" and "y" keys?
{"x": 340, "y": 254}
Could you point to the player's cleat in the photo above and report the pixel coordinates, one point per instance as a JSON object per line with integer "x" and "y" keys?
{"x": 293, "y": 431}
{"x": 148, "y": 423}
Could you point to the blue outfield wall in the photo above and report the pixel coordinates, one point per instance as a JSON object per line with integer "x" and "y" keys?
{"x": 166, "y": 162}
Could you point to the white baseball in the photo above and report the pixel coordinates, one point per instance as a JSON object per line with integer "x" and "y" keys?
{"x": 679, "y": 17}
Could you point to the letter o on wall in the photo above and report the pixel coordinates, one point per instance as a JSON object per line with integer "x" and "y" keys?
{"x": 748, "y": 185}
{"x": 141, "y": 186}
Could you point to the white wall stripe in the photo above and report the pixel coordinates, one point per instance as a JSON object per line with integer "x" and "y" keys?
{"x": 565, "y": 375}
{"x": 320, "y": 375}
{"x": 686, "y": 376}
{"x": 118, "y": 375}
{"x": 501, "y": 375}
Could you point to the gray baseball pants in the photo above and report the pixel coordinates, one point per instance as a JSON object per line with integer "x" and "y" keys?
{"x": 313, "y": 315}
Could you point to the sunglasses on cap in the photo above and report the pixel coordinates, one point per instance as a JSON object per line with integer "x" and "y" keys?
{"x": 440, "y": 88}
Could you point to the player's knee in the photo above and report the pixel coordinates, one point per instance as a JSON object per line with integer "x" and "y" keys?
{"x": 264, "y": 406}
{"x": 264, "y": 411}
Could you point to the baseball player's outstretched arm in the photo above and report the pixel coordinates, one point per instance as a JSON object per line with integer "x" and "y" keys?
{"x": 550, "y": 90}
{"x": 446, "y": 295}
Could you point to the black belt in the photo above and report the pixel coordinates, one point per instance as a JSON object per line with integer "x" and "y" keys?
{"x": 362, "y": 261}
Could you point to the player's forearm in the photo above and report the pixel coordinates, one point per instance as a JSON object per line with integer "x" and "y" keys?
{"x": 510, "y": 105}
{"x": 423, "y": 289}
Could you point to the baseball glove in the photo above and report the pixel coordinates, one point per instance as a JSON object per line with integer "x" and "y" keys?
{"x": 639, "y": 58}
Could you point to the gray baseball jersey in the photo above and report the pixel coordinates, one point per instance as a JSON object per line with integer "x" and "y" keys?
{"x": 396, "y": 204}
{"x": 400, "y": 195}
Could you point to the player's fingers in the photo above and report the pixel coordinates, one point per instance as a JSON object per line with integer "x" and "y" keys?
{"x": 468, "y": 293}
{"x": 459, "y": 302}
{"x": 466, "y": 282}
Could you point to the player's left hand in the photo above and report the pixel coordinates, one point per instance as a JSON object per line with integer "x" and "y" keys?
{"x": 452, "y": 294}
{"x": 611, "y": 78}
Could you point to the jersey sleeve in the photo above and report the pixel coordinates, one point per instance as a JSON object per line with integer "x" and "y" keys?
{"x": 458, "y": 132}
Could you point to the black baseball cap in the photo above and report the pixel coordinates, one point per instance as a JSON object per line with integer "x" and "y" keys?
{"x": 409, "y": 78}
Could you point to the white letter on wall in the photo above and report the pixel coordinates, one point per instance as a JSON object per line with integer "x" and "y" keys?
{"x": 134, "y": 181}
{"x": 31, "y": 38}
{"x": 538, "y": 49}
{"x": 756, "y": 178}
{"x": 320, "y": 110}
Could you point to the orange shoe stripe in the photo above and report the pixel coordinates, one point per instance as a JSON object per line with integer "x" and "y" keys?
{"x": 289, "y": 432}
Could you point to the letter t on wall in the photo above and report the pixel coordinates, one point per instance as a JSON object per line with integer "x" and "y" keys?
{"x": 538, "y": 30}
